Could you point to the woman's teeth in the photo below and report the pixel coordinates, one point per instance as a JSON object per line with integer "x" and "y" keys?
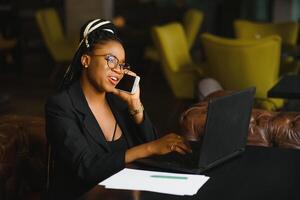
{"x": 114, "y": 78}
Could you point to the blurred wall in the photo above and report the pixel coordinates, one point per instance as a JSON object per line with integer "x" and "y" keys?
{"x": 282, "y": 10}
{"x": 77, "y": 12}
{"x": 286, "y": 10}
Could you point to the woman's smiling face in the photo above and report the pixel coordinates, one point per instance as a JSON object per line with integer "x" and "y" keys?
{"x": 103, "y": 66}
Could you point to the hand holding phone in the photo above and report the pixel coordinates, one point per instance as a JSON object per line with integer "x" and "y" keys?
{"x": 128, "y": 83}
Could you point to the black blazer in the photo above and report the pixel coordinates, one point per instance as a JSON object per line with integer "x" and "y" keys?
{"x": 82, "y": 157}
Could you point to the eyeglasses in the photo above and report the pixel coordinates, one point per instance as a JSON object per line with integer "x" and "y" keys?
{"x": 113, "y": 62}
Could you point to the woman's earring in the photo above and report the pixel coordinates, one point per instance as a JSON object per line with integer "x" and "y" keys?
{"x": 85, "y": 66}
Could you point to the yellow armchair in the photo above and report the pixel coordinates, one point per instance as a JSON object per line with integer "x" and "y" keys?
{"x": 59, "y": 46}
{"x": 288, "y": 31}
{"x": 192, "y": 21}
{"x": 180, "y": 71}
{"x": 239, "y": 64}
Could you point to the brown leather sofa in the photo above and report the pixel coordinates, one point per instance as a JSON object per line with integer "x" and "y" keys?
{"x": 269, "y": 129}
{"x": 23, "y": 153}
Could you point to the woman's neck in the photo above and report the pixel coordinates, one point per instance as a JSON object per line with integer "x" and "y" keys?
{"x": 93, "y": 96}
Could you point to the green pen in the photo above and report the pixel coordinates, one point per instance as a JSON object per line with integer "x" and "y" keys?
{"x": 169, "y": 177}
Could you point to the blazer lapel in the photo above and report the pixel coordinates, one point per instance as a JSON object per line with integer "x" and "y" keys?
{"x": 88, "y": 120}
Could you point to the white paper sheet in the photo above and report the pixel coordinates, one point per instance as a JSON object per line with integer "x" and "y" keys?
{"x": 163, "y": 182}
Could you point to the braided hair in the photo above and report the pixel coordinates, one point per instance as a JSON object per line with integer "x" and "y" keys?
{"x": 97, "y": 31}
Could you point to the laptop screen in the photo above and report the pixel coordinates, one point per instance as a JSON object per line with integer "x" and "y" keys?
{"x": 226, "y": 127}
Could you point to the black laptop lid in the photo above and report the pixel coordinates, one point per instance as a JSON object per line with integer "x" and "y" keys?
{"x": 226, "y": 127}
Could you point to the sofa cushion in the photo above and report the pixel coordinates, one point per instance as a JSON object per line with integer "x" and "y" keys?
{"x": 23, "y": 150}
{"x": 266, "y": 128}
{"x": 285, "y": 129}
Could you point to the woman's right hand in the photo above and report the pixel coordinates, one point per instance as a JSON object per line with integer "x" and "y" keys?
{"x": 166, "y": 144}
{"x": 169, "y": 143}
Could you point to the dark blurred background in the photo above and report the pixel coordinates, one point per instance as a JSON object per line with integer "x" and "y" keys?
{"x": 25, "y": 62}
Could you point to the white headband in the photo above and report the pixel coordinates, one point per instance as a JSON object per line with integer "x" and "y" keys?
{"x": 88, "y": 30}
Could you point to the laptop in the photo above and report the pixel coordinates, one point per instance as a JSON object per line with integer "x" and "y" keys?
{"x": 225, "y": 136}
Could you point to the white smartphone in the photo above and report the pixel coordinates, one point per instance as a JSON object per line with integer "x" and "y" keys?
{"x": 128, "y": 83}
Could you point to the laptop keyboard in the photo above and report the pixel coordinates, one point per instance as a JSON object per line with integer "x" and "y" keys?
{"x": 176, "y": 159}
